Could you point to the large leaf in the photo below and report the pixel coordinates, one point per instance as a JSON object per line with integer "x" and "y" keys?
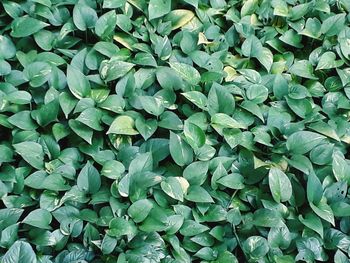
{"x": 280, "y": 185}
{"x": 123, "y": 125}
{"x": 40, "y": 218}
{"x": 25, "y": 26}
{"x": 89, "y": 179}
{"x": 187, "y": 72}
{"x": 31, "y": 152}
{"x": 303, "y": 141}
{"x": 19, "y": 252}
{"x": 180, "y": 151}
{"x": 77, "y": 82}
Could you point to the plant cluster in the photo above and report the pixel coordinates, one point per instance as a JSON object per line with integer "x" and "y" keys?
{"x": 172, "y": 131}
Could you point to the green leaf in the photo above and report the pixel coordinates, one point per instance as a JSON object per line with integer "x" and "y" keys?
{"x": 192, "y": 228}
{"x": 323, "y": 210}
{"x": 5, "y": 68}
{"x": 280, "y": 185}
{"x": 119, "y": 227}
{"x": 7, "y": 48}
{"x": 19, "y": 252}
{"x": 113, "y": 3}
{"x": 31, "y": 152}
{"x": 158, "y": 8}
{"x": 77, "y": 82}
{"x": 139, "y": 210}
{"x": 180, "y": 151}
{"x": 6, "y": 154}
{"x": 232, "y": 181}
{"x": 327, "y": 61}
{"x": 196, "y": 172}
{"x": 312, "y": 28}
{"x": 257, "y": 93}
{"x": 81, "y": 130}
{"x": 340, "y": 167}
{"x": 333, "y": 24}
{"x": 108, "y": 244}
{"x": 252, "y": 47}
{"x": 303, "y": 68}
{"x": 197, "y": 98}
{"x": 267, "y": 218}
{"x": 314, "y": 189}
{"x": 25, "y": 26}
{"x": 185, "y": 71}
{"x": 114, "y": 68}
{"x": 91, "y": 117}
{"x": 219, "y": 172}
{"x": 198, "y": 194}
{"x": 46, "y": 114}
{"x": 256, "y": 247}
{"x": 123, "y": 125}
{"x": 179, "y": 18}
{"x": 195, "y": 136}
{"x": 220, "y": 100}
{"x": 114, "y": 103}
{"x": 23, "y": 120}
{"x": 112, "y": 169}
{"x": 312, "y": 222}
{"x": 146, "y": 127}
{"x": 174, "y": 131}
{"x": 105, "y": 24}
{"x": 142, "y": 163}
{"x": 222, "y": 120}
{"x": 89, "y": 179}
{"x": 151, "y": 105}
{"x": 40, "y": 218}
{"x": 303, "y": 141}
{"x": 175, "y": 187}
{"x": 84, "y": 16}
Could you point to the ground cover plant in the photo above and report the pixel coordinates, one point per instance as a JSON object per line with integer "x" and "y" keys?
{"x": 174, "y": 131}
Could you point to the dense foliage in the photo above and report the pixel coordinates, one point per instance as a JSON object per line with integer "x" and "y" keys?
{"x": 174, "y": 131}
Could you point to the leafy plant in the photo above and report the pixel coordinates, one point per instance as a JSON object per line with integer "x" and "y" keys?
{"x": 174, "y": 131}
